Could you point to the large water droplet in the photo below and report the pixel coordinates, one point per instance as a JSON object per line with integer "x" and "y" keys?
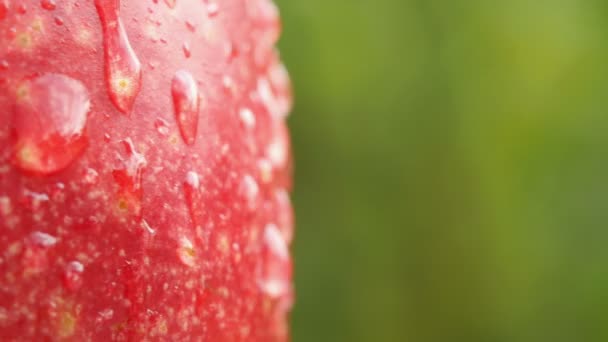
{"x": 72, "y": 275}
{"x": 275, "y": 273}
{"x": 129, "y": 179}
{"x": 186, "y": 104}
{"x": 122, "y": 67}
{"x": 48, "y": 5}
{"x": 49, "y": 123}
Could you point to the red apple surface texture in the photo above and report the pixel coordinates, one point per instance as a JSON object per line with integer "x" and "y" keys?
{"x": 145, "y": 171}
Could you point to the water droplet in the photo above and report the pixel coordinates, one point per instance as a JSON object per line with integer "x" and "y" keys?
{"x": 228, "y": 83}
{"x": 277, "y": 150}
{"x": 275, "y": 273}
{"x": 250, "y": 190}
{"x": 129, "y": 179}
{"x": 190, "y": 25}
{"x": 247, "y": 118}
{"x": 186, "y": 252}
{"x": 72, "y": 275}
{"x": 90, "y": 176}
{"x": 192, "y": 194}
{"x": 232, "y": 51}
{"x": 162, "y": 126}
{"x": 4, "y": 65}
{"x": 22, "y": 9}
{"x": 171, "y": 3}
{"x": 107, "y": 138}
{"x": 212, "y": 8}
{"x": 48, "y": 5}
{"x": 186, "y": 104}
{"x": 41, "y": 239}
{"x": 58, "y": 21}
{"x": 49, "y": 123}
{"x": 192, "y": 180}
{"x": 265, "y": 170}
{"x": 186, "y": 49}
{"x": 122, "y": 67}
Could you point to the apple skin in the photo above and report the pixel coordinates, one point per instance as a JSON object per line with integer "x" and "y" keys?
{"x": 145, "y": 171}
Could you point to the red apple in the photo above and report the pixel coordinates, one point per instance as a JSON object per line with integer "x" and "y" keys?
{"x": 144, "y": 171}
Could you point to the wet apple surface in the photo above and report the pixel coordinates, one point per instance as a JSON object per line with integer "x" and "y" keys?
{"x": 145, "y": 167}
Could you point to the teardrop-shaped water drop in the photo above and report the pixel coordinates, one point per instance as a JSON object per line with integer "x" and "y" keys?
{"x": 185, "y": 104}
{"x": 276, "y": 268}
{"x": 170, "y": 3}
{"x": 191, "y": 26}
{"x": 129, "y": 179}
{"x": 122, "y": 67}
{"x": 192, "y": 193}
{"x": 48, "y": 5}
{"x": 72, "y": 275}
{"x": 186, "y": 49}
{"x": 49, "y": 123}
{"x": 162, "y": 127}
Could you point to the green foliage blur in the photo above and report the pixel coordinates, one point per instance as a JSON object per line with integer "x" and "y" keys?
{"x": 451, "y": 169}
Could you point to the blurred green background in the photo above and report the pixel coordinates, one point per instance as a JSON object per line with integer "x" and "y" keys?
{"x": 451, "y": 169}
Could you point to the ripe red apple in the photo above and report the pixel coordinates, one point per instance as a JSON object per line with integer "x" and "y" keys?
{"x": 144, "y": 171}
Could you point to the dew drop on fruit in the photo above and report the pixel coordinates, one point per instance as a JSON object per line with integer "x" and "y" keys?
{"x": 192, "y": 185}
{"x": 58, "y": 21}
{"x": 90, "y": 176}
{"x": 247, "y": 118}
{"x": 276, "y": 268}
{"x": 42, "y": 239}
{"x": 186, "y": 49}
{"x": 212, "y": 8}
{"x": 22, "y": 9}
{"x": 4, "y": 65}
{"x": 171, "y": 3}
{"x": 122, "y": 67}
{"x": 48, "y": 5}
{"x": 162, "y": 127}
{"x": 250, "y": 191}
{"x": 190, "y": 25}
{"x": 49, "y": 123}
{"x": 129, "y": 178}
{"x": 186, "y": 101}
{"x": 72, "y": 275}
